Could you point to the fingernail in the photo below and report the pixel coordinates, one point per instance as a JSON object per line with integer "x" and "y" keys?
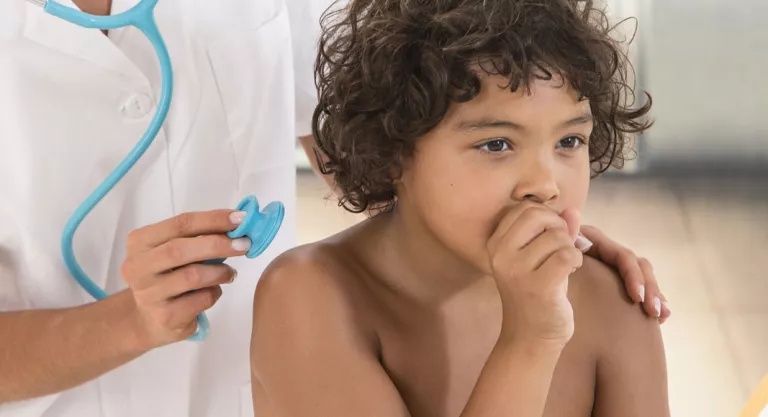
{"x": 237, "y": 217}
{"x": 583, "y": 244}
{"x": 657, "y": 306}
{"x": 241, "y": 244}
{"x": 666, "y": 306}
{"x": 641, "y": 292}
{"x": 234, "y": 275}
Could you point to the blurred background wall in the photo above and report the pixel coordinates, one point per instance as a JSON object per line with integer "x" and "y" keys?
{"x": 704, "y": 62}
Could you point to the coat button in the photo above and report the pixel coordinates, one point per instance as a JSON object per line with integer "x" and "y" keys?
{"x": 136, "y": 106}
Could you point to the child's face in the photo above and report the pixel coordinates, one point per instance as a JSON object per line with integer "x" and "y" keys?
{"x": 493, "y": 152}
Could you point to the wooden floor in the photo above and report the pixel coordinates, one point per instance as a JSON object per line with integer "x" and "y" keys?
{"x": 708, "y": 242}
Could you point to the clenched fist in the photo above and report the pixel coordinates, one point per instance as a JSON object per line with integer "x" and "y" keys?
{"x": 532, "y": 253}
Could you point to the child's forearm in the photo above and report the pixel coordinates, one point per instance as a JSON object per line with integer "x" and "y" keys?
{"x": 515, "y": 381}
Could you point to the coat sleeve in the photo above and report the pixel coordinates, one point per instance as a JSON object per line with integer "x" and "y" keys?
{"x": 304, "y": 16}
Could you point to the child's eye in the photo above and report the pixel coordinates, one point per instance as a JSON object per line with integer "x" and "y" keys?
{"x": 494, "y": 146}
{"x": 571, "y": 142}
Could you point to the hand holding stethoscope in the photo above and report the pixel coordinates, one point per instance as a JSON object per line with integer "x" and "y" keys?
{"x": 258, "y": 227}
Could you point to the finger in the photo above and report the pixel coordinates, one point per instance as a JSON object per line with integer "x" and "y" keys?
{"x": 186, "y": 307}
{"x": 621, "y": 258}
{"x": 184, "y": 225}
{"x": 637, "y": 276}
{"x": 561, "y": 264}
{"x": 530, "y": 225}
{"x": 511, "y": 217}
{"x": 652, "y": 303}
{"x": 582, "y": 243}
{"x": 630, "y": 271}
{"x": 650, "y": 281}
{"x": 533, "y": 256}
{"x": 572, "y": 218}
{"x": 665, "y": 311}
{"x": 653, "y": 306}
{"x": 181, "y": 252}
{"x": 588, "y": 235}
{"x": 189, "y": 278}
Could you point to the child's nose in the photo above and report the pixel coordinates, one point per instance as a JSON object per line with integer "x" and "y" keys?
{"x": 537, "y": 183}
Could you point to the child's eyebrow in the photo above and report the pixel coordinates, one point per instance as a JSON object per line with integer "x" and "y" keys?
{"x": 480, "y": 124}
{"x": 583, "y": 119}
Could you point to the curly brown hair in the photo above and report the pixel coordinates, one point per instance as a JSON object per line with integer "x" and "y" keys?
{"x": 388, "y": 70}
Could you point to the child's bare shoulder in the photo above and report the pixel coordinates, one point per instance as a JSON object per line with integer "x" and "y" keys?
{"x": 315, "y": 274}
{"x": 599, "y": 284}
{"x": 625, "y": 344}
{"x": 311, "y": 337}
{"x": 309, "y": 291}
{"x": 601, "y": 305}
{"x": 307, "y": 265}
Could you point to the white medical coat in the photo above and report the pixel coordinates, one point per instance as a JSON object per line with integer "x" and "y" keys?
{"x": 73, "y": 102}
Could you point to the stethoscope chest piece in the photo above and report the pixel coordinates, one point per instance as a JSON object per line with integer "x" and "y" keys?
{"x": 260, "y": 227}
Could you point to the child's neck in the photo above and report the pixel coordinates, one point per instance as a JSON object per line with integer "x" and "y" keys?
{"x": 416, "y": 263}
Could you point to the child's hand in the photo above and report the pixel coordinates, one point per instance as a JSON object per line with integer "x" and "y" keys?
{"x": 532, "y": 253}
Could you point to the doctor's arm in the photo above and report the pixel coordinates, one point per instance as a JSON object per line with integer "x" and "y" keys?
{"x": 47, "y": 351}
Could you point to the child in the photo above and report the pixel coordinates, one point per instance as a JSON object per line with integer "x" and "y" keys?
{"x": 472, "y": 127}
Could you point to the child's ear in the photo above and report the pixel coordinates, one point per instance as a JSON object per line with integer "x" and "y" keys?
{"x": 397, "y": 171}
{"x": 397, "y": 184}
{"x": 397, "y": 181}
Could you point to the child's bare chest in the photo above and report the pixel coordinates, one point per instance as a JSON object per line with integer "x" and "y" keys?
{"x": 435, "y": 364}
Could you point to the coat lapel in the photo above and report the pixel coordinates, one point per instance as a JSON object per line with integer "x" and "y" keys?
{"x": 88, "y": 44}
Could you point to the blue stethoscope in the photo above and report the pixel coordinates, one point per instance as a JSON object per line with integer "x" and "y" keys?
{"x": 260, "y": 227}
